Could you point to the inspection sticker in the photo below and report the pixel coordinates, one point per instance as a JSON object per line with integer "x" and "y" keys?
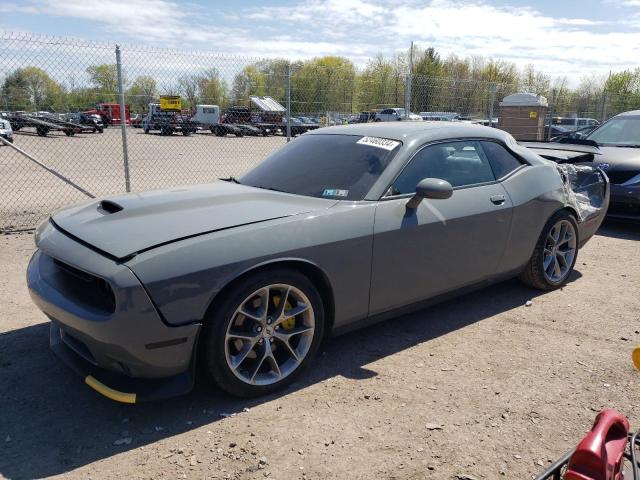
{"x": 378, "y": 142}
{"x": 334, "y": 192}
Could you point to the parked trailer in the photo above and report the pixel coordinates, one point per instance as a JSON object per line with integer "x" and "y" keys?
{"x": 167, "y": 122}
{"x": 42, "y": 125}
{"x": 245, "y": 118}
{"x": 75, "y": 127}
{"x": 208, "y": 117}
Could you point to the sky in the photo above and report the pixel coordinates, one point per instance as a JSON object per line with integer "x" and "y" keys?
{"x": 560, "y": 37}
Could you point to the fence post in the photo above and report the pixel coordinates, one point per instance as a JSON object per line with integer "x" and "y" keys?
{"x": 123, "y": 121}
{"x": 288, "y": 101}
{"x": 407, "y": 96}
{"x": 605, "y": 101}
{"x": 408, "y": 85}
{"x": 492, "y": 100}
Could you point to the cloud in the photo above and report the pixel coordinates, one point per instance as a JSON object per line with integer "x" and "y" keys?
{"x": 571, "y": 46}
{"x": 360, "y": 29}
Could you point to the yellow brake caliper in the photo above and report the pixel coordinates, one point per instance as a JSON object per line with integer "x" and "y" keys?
{"x": 289, "y": 323}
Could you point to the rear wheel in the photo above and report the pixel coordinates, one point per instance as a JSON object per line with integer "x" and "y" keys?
{"x": 555, "y": 254}
{"x": 264, "y": 334}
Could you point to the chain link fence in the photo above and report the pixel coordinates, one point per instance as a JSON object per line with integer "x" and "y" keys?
{"x": 87, "y": 120}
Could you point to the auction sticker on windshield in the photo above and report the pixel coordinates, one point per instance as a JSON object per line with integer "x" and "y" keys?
{"x": 378, "y": 142}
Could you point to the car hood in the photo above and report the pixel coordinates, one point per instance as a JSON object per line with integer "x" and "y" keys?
{"x": 124, "y": 225}
{"x": 619, "y": 158}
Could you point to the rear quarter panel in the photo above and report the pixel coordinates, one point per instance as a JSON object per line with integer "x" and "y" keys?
{"x": 537, "y": 193}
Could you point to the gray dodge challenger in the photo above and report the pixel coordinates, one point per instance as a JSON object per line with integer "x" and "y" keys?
{"x": 342, "y": 227}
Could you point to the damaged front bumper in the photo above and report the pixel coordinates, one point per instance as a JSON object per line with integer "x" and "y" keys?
{"x": 587, "y": 191}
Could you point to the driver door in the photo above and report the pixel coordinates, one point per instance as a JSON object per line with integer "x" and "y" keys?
{"x": 443, "y": 244}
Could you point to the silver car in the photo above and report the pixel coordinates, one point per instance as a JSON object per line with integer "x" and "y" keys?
{"x": 342, "y": 227}
{"x": 395, "y": 114}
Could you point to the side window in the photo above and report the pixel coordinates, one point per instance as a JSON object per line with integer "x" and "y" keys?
{"x": 459, "y": 163}
{"x": 387, "y": 111}
{"x": 502, "y": 161}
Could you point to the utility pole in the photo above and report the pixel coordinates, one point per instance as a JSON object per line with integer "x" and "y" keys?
{"x": 409, "y": 83}
{"x": 123, "y": 121}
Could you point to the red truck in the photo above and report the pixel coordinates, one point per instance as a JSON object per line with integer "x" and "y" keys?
{"x": 110, "y": 113}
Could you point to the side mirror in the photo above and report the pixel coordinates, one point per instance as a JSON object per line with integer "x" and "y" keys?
{"x": 434, "y": 188}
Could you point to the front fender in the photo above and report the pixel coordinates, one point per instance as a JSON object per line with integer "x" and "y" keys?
{"x": 184, "y": 277}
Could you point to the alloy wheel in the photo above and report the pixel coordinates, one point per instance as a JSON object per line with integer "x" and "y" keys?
{"x": 559, "y": 251}
{"x": 269, "y": 335}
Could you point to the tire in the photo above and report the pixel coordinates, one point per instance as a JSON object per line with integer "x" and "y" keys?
{"x": 219, "y": 347}
{"x": 377, "y": 120}
{"x": 549, "y": 254}
{"x": 146, "y": 130}
{"x": 42, "y": 131}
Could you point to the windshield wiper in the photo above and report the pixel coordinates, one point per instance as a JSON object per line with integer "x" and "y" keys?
{"x": 232, "y": 180}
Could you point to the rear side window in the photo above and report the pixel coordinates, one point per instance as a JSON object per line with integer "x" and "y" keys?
{"x": 501, "y": 160}
{"x": 459, "y": 163}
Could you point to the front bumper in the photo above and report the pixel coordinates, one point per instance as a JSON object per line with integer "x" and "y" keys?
{"x": 625, "y": 202}
{"x": 127, "y": 347}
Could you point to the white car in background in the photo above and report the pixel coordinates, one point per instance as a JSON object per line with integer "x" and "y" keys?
{"x": 5, "y": 130}
{"x": 393, "y": 114}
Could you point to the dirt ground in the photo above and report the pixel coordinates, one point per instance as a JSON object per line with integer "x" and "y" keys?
{"x": 481, "y": 386}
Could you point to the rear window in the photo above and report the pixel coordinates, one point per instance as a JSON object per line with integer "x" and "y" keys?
{"x": 502, "y": 161}
{"x": 342, "y": 167}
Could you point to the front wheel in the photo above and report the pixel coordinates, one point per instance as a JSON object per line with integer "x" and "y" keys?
{"x": 264, "y": 334}
{"x": 555, "y": 253}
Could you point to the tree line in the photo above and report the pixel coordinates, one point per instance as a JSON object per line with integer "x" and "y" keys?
{"x": 469, "y": 85}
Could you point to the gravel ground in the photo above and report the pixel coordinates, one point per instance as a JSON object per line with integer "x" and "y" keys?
{"x": 482, "y": 386}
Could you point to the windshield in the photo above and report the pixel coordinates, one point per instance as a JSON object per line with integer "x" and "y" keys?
{"x": 619, "y": 131}
{"x": 342, "y": 167}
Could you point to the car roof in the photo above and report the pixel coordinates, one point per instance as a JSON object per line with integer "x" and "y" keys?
{"x": 632, "y": 113}
{"x": 406, "y": 132}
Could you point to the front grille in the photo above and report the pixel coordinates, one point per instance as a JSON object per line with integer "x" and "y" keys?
{"x": 621, "y": 176}
{"x": 89, "y": 291}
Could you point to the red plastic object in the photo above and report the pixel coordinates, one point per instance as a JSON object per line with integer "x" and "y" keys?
{"x": 599, "y": 455}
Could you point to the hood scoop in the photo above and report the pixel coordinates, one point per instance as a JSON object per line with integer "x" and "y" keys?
{"x": 108, "y": 207}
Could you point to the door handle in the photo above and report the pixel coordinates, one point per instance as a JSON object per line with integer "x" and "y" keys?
{"x": 497, "y": 199}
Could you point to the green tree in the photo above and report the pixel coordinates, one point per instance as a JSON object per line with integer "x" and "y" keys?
{"x": 324, "y": 84}
{"x": 622, "y": 91}
{"x": 376, "y": 84}
{"x": 142, "y": 91}
{"x": 31, "y": 88}
{"x": 250, "y": 81}
{"x": 104, "y": 78}
{"x": 212, "y": 89}
{"x": 189, "y": 88}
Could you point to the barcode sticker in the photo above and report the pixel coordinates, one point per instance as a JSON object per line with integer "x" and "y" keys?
{"x": 378, "y": 142}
